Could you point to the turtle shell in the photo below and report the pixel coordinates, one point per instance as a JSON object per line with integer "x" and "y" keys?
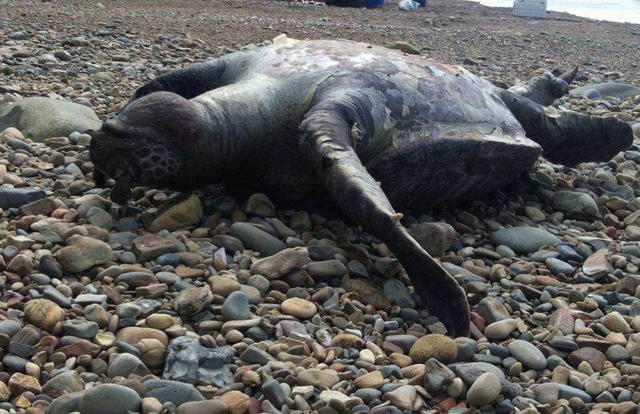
{"x": 437, "y": 133}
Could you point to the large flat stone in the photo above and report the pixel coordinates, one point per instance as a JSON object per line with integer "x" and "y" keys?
{"x": 524, "y": 239}
{"x": 41, "y": 118}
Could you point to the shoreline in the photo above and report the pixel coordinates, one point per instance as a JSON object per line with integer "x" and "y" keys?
{"x": 575, "y": 16}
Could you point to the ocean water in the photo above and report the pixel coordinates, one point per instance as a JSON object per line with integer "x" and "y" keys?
{"x": 625, "y": 11}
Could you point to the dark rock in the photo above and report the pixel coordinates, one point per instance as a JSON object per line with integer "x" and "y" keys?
{"x": 257, "y": 240}
{"x": 175, "y": 392}
{"x": 136, "y": 279}
{"x": 236, "y": 307}
{"x": 64, "y": 383}
{"x": 274, "y": 393}
{"x": 524, "y": 239}
{"x": 65, "y": 404}
{"x": 81, "y": 329}
{"x": 255, "y": 355}
{"x": 17, "y": 197}
{"x": 109, "y": 399}
{"x": 123, "y": 365}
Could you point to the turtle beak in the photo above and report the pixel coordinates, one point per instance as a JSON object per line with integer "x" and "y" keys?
{"x": 108, "y": 161}
{"x": 97, "y": 157}
{"x": 569, "y": 76}
{"x": 121, "y": 193}
{"x": 99, "y": 178}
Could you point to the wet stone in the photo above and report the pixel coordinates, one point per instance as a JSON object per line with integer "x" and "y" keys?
{"x": 466, "y": 348}
{"x": 236, "y": 307}
{"x": 367, "y": 292}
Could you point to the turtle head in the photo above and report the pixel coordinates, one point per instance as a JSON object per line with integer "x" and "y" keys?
{"x": 143, "y": 145}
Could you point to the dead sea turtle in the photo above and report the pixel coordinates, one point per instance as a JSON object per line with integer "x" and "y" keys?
{"x": 363, "y": 125}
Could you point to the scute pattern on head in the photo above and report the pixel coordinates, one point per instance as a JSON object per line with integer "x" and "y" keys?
{"x": 156, "y": 162}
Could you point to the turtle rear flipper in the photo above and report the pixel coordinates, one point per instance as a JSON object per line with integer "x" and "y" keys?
{"x": 326, "y": 133}
{"x": 546, "y": 88}
{"x": 583, "y": 138}
{"x": 569, "y": 137}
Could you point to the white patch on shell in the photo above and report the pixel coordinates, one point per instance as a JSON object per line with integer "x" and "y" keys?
{"x": 552, "y": 112}
{"x": 389, "y": 122}
{"x": 306, "y": 59}
{"x": 519, "y": 89}
{"x": 284, "y": 41}
{"x": 362, "y": 60}
{"x": 356, "y": 134}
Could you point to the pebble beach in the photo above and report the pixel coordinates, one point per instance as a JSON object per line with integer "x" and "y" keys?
{"x": 200, "y": 303}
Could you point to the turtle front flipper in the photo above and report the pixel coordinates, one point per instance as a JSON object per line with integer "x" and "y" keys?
{"x": 326, "y": 135}
{"x": 187, "y": 82}
{"x": 568, "y": 137}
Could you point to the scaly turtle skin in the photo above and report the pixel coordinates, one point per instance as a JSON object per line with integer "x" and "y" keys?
{"x": 367, "y": 126}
